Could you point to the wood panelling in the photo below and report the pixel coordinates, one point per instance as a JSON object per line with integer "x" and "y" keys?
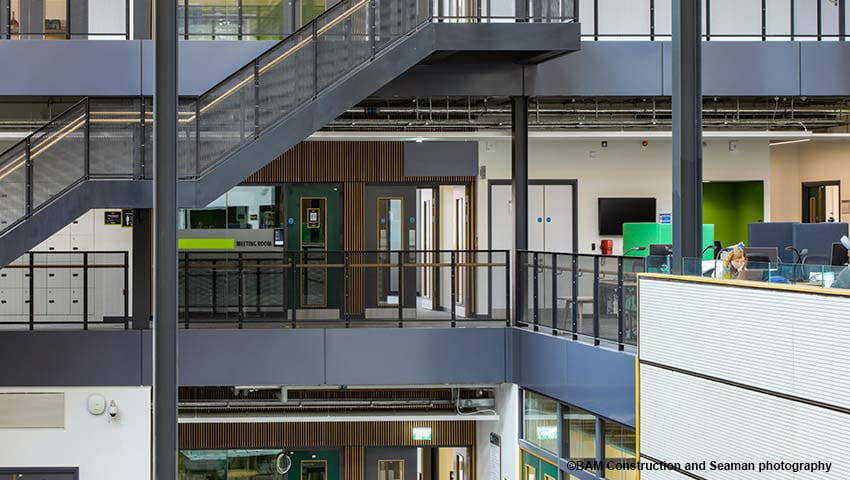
{"x": 354, "y": 463}
{"x": 334, "y": 162}
{"x": 324, "y": 434}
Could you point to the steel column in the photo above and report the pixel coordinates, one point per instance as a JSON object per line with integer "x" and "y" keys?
{"x": 519, "y": 192}
{"x": 141, "y": 268}
{"x": 687, "y": 132}
{"x": 165, "y": 242}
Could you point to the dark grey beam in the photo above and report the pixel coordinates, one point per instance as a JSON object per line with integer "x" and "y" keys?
{"x": 165, "y": 242}
{"x": 142, "y": 268}
{"x": 687, "y": 131}
{"x": 519, "y": 190}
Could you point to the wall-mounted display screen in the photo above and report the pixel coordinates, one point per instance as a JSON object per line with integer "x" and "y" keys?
{"x": 614, "y": 212}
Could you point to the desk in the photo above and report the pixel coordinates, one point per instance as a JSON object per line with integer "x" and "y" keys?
{"x": 580, "y": 301}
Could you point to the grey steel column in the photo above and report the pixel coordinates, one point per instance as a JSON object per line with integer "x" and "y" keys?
{"x": 165, "y": 242}
{"x": 687, "y": 131}
{"x": 141, "y": 268}
{"x": 519, "y": 191}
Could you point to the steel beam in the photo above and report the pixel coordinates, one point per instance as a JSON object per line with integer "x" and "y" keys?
{"x": 687, "y": 131}
{"x": 165, "y": 242}
{"x": 519, "y": 192}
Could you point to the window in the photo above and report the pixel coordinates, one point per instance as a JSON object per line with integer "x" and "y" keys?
{"x": 619, "y": 451}
{"x": 390, "y": 469}
{"x": 540, "y": 421}
{"x": 579, "y": 429}
{"x": 243, "y": 207}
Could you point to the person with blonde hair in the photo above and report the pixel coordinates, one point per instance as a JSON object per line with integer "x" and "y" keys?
{"x": 735, "y": 264}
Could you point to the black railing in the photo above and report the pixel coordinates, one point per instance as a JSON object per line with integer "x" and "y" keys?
{"x": 71, "y": 289}
{"x": 299, "y": 288}
{"x": 28, "y": 21}
{"x": 794, "y": 20}
{"x": 588, "y": 296}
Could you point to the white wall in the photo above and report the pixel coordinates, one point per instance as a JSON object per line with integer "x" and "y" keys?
{"x": 507, "y": 427}
{"x": 102, "y": 450}
{"x": 625, "y": 168}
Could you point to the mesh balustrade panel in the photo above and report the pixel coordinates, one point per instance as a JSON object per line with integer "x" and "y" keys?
{"x": 343, "y": 40}
{"x": 227, "y": 118}
{"x": 13, "y": 185}
{"x": 58, "y": 155}
{"x": 394, "y": 19}
{"x": 286, "y": 77}
{"x": 115, "y": 137}
{"x": 187, "y": 135}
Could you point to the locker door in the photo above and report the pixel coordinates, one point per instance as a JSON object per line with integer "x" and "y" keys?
{"x": 536, "y": 217}
{"x": 558, "y": 221}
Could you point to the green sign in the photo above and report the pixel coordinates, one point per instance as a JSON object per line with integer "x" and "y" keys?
{"x": 547, "y": 433}
{"x": 422, "y": 433}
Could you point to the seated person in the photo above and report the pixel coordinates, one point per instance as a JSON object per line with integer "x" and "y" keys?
{"x": 735, "y": 264}
{"x": 842, "y": 280}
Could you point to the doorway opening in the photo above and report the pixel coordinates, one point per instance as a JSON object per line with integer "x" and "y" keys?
{"x": 821, "y": 201}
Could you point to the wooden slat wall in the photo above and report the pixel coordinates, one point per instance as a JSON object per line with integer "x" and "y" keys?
{"x": 354, "y": 463}
{"x": 354, "y": 164}
{"x": 324, "y": 434}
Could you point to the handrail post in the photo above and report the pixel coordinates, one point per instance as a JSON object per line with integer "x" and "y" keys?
{"x": 453, "y": 255}
{"x": 240, "y": 290}
{"x": 315, "y": 35}
{"x": 127, "y": 19}
{"x": 575, "y": 306}
{"x": 197, "y": 136}
{"x": 554, "y": 293}
{"x": 596, "y": 300}
{"x": 346, "y": 271}
{"x": 372, "y": 27}
{"x": 29, "y": 175}
{"x": 86, "y": 292}
{"x": 186, "y": 270}
{"x": 256, "y": 94}
{"x": 763, "y": 20}
{"x": 508, "y": 319}
{"x": 621, "y": 330}
{"x": 87, "y": 145}
{"x": 32, "y": 288}
{"x": 490, "y": 284}
{"x": 126, "y": 290}
{"x": 292, "y": 289}
{"x": 534, "y": 290}
{"x": 401, "y": 289}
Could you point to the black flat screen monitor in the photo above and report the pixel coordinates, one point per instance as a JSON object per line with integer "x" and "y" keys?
{"x": 614, "y": 212}
{"x": 660, "y": 249}
{"x": 839, "y": 254}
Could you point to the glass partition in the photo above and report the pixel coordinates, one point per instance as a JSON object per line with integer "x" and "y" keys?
{"x": 540, "y": 421}
{"x": 620, "y": 452}
{"x": 579, "y": 428}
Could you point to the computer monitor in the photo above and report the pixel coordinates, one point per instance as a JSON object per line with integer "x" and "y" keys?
{"x": 839, "y": 254}
{"x": 660, "y": 250}
{"x": 762, "y": 254}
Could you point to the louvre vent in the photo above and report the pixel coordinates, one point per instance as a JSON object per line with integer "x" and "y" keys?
{"x": 32, "y": 410}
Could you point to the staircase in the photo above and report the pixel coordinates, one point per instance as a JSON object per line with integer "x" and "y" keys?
{"x": 98, "y": 153}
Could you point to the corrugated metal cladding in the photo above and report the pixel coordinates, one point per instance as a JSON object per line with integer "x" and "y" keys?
{"x": 689, "y": 419}
{"x": 794, "y": 343}
{"x": 354, "y": 164}
{"x": 325, "y": 434}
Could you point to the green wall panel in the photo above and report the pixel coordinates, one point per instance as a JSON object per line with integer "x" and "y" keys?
{"x": 646, "y": 234}
{"x": 731, "y": 207}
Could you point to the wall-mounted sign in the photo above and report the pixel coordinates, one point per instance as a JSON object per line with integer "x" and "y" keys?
{"x": 547, "y": 432}
{"x": 112, "y": 217}
{"x": 313, "y": 218}
{"x": 421, "y": 433}
{"x": 127, "y": 218}
{"x": 279, "y": 237}
{"x": 253, "y": 217}
{"x": 665, "y": 218}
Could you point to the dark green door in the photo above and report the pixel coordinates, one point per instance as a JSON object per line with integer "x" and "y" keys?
{"x": 314, "y": 226}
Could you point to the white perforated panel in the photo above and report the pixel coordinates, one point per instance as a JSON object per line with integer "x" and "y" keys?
{"x": 689, "y": 419}
{"x": 789, "y": 342}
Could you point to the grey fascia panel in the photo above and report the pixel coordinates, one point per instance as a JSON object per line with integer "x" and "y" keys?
{"x": 824, "y": 68}
{"x": 456, "y": 80}
{"x": 71, "y": 68}
{"x": 423, "y": 356}
{"x": 245, "y": 357}
{"x": 744, "y": 68}
{"x": 600, "y": 69}
{"x": 441, "y": 159}
{"x": 30, "y": 359}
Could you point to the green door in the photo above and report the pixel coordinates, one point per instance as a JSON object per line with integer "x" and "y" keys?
{"x": 535, "y": 468}
{"x": 314, "y": 226}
